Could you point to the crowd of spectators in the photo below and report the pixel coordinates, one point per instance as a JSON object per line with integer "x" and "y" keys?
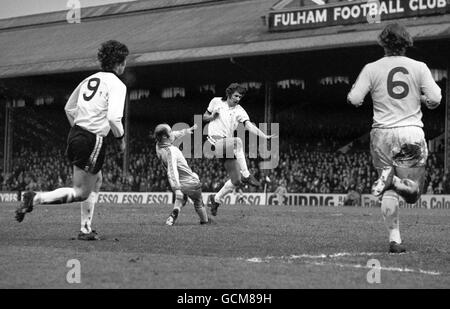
{"x": 303, "y": 171}
{"x": 309, "y": 160}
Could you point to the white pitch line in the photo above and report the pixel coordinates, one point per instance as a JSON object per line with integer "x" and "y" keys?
{"x": 334, "y": 255}
{"x": 397, "y": 269}
{"x": 319, "y": 256}
{"x": 254, "y": 260}
{"x": 305, "y": 257}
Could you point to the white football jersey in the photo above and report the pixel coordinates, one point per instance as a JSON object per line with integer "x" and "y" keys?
{"x": 396, "y": 84}
{"x": 97, "y": 104}
{"x": 228, "y": 120}
{"x": 179, "y": 173}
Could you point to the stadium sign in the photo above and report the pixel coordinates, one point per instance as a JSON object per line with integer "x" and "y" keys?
{"x": 353, "y": 12}
{"x": 291, "y": 199}
{"x": 8, "y": 197}
{"x": 254, "y": 199}
{"x": 425, "y": 202}
{"x": 134, "y": 198}
{"x": 309, "y": 199}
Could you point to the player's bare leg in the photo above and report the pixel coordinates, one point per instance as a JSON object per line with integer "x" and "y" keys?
{"x": 233, "y": 148}
{"x": 233, "y": 169}
{"x": 87, "y": 212}
{"x": 409, "y": 182}
{"x": 83, "y": 183}
{"x": 410, "y": 170}
{"x": 240, "y": 158}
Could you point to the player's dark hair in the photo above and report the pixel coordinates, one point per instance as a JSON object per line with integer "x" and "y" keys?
{"x": 395, "y": 39}
{"x": 112, "y": 53}
{"x": 232, "y": 88}
{"x": 161, "y": 132}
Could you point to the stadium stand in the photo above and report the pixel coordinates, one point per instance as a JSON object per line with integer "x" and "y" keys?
{"x": 311, "y": 159}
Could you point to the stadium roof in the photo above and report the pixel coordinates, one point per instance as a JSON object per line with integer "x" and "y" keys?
{"x": 173, "y": 31}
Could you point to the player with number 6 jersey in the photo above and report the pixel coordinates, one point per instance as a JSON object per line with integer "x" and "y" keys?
{"x": 398, "y": 85}
{"x": 94, "y": 108}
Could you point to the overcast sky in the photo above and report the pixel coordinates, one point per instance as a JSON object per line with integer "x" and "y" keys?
{"x": 13, "y": 8}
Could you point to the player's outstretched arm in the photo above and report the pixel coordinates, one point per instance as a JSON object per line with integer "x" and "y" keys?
{"x": 181, "y": 133}
{"x": 255, "y": 130}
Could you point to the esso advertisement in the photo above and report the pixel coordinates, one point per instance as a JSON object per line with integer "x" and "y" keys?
{"x": 8, "y": 197}
{"x": 256, "y": 199}
{"x": 134, "y": 198}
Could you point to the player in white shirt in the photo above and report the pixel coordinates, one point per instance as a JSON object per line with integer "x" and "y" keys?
{"x": 398, "y": 86}
{"x": 94, "y": 108}
{"x": 224, "y": 115}
{"x": 183, "y": 181}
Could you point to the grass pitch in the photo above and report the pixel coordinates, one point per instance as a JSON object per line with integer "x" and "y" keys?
{"x": 245, "y": 247}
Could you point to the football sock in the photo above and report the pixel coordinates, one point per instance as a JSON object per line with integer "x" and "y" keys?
{"x": 201, "y": 211}
{"x": 389, "y": 209}
{"x": 227, "y": 188}
{"x": 87, "y": 212}
{"x": 175, "y": 213}
{"x": 240, "y": 157}
{"x": 58, "y": 196}
{"x": 178, "y": 205}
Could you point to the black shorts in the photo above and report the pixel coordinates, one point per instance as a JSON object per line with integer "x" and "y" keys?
{"x": 85, "y": 150}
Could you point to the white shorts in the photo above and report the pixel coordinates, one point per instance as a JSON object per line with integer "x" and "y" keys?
{"x": 223, "y": 147}
{"x": 398, "y": 147}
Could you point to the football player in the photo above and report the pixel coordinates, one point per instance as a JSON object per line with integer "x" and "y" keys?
{"x": 398, "y": 86}
{"x": 183, "y": 181}
{"x": 94, "y": 109}
{"x": 224, "y": 115}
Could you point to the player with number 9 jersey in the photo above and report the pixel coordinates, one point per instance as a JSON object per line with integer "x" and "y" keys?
{"x": 97, "y": 104}
{"x": 93, "y": 109}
